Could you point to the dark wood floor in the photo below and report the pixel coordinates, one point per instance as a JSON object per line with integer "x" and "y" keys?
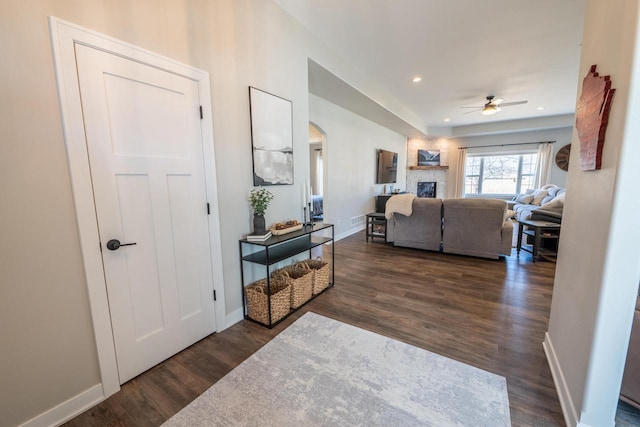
{"x": 489, "y": 314}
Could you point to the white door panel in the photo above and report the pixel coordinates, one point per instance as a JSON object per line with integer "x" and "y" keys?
{"x": 145, "y": 151}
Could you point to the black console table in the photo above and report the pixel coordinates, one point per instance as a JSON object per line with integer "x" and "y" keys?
{"x": 281, "y": 248}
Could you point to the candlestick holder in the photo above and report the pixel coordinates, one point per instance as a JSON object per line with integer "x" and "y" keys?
{"x": 306, "y": 220}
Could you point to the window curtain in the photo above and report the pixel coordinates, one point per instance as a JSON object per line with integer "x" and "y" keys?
{"x": 543, "y": 164}
{"x": 462, "y": 165}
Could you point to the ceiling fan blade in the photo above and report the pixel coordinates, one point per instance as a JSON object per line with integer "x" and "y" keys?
{"x": 496, "y": 101}
{"x": 510, "y": 104}
{"x": 481, "y": 106}
{"x": 472, "y": 111}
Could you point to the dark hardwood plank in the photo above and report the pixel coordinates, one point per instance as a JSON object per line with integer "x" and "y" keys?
{"x": 491, "y": 314}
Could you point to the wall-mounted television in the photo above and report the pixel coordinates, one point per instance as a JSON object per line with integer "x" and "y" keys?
{"x": 387, "y": 167}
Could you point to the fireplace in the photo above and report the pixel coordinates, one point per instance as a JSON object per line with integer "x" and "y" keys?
{"x": 427, "y": 189}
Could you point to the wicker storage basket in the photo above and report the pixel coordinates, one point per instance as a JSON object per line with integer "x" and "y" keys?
{"x": 300, "y": 277}
{"x": 321, "y": 273}
{"x": 258, "y": 300}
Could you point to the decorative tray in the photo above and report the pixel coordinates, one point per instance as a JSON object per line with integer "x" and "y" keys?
{"x": 286, "y": 230}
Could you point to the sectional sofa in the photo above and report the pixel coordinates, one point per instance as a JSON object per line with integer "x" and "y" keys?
{"x": 475, "y": 227}
{"x": 548, "y": 198}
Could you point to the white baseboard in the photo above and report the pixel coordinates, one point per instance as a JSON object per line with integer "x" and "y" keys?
{"x": 348, "y": 233}
{"x": 69, "y": 409}
{"x": 568, "y": 408}
{"x": 233, "y": 318}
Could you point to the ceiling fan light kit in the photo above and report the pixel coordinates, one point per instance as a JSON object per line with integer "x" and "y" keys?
{"x": 493, "y": 106}
{"x": 490, "y": 109}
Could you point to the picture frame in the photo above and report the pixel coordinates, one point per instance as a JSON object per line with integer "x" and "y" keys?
{"x": 271, "y": 138}
{"x": 428, "y": 158}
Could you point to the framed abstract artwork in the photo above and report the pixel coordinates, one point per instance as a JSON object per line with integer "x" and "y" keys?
{"x": 271, "y": 138}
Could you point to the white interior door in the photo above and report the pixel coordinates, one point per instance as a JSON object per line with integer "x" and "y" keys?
{"x": 145, "y": 150}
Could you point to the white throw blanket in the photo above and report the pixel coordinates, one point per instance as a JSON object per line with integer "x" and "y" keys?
{"x": 402, "y": 204}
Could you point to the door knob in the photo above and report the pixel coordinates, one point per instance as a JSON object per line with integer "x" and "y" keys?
{"x": 114, "y": 244}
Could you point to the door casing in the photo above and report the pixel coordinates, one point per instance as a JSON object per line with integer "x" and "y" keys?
{"x": 64, "y": 36}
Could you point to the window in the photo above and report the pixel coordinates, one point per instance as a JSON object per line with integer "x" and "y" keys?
{"x": 500, "y": 174}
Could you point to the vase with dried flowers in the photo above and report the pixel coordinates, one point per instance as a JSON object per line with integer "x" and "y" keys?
{"x": 259, "y": 199}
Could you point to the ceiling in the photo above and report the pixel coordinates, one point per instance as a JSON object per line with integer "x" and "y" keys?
{"x": 464, "y": 50}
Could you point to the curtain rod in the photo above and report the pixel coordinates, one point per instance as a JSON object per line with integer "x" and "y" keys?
{"x": 506, "y": 145}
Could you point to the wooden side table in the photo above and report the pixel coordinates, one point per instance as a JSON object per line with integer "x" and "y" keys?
{"x": 539, "y": 230}
{"x": 376, "y": 226}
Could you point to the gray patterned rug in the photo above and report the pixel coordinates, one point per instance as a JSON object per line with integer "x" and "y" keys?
{"x": 321, "y": 372}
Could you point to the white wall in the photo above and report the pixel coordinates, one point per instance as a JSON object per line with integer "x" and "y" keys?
{"x": 351, "y": 147}
{"x": 599, "y": 259}
{"x": 48, "y": 352}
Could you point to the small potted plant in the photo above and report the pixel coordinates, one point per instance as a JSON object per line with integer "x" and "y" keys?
{"x": 259, "y": 199}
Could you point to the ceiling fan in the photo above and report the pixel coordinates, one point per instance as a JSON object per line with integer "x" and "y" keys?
{"x": 493, "y": 106}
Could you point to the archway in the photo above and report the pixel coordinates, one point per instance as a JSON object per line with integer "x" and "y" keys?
{"x": 318, "y": 171}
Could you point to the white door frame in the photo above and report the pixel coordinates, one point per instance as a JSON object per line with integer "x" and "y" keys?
{"x": 63, "y": 37}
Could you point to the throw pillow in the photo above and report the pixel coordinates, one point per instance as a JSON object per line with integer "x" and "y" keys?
{"x": 546, "y": 200}
{"x": 553, "y": 191}
{"x": 557, "y": 203}
{"x": 525, "y": 199}
{"x": 538, "y": 195}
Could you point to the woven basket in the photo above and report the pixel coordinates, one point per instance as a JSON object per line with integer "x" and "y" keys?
{"x": 300, "y": 277}
{"x": 258, "y": 300}
{"x": 321, "y": 273}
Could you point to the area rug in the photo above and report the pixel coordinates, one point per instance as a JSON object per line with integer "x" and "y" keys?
{"x": 321, "y": 372}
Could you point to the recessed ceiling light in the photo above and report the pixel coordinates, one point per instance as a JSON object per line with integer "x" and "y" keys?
{"x": 447, "y": 119}
{"x": 417, "y": 79}
{"x": 540, "y": 108}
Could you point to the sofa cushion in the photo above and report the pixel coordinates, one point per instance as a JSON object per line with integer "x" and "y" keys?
{"x": 553, "y": 191}
{"x": 524, "y": 211}
{"x": 556, "y": 203}
{"x": 524, "y": 198}
{"x": 538, "y": 195}
{"x": 474, "y": 227}
{"x": 546, "y": 200}
{"x": 422, "y": 229}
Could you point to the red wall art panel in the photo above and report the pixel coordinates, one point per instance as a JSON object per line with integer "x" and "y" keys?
{"x": 592, "y": 115}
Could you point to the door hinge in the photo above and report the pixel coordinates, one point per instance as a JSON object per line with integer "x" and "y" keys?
{"x": 201, "y": 115}
{"x": 208, "y": 209}
{"x": 215, "y": 298}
